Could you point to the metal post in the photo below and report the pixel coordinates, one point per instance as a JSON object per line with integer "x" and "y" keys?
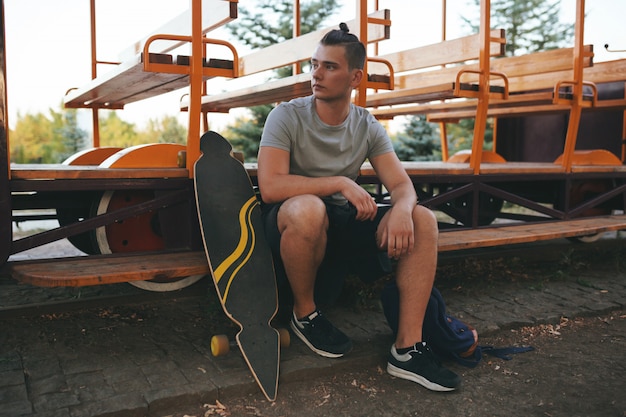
{"x": 483, "y": 94}
{"x": 195, "y": 86}
{"x": 95, "y": 123}
{"x": 6, "y": 232}
{"x": 577, "y": 99}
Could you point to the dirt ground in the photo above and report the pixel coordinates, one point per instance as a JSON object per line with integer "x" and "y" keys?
{"x": 577, "y": 369}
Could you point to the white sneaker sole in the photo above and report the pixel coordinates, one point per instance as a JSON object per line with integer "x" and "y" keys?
{"x": 323, "y": 353}
{"x": 404, "y": 374}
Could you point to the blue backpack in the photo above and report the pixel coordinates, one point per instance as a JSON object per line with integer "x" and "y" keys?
{"x": 447, "y": 336}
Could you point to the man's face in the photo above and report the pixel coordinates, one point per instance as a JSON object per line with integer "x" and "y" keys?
{"x": 331, "y": 78}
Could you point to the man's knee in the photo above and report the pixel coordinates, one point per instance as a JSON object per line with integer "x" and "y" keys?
{"x": 304, "y": 212}
{"x": 425, "y": 220}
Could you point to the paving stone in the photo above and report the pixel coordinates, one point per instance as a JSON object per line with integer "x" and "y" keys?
{"x": 125, "y": 405}
{"x": 10, "y": 361}
{"x": 139, "y": 368}
{"x": 16, "y": 408}
{"x": 90, "y": 386}
{"x": 164, "y": 374}
{"x": 11, "y": 378}
{"x": 42, "y": 367}
{"x": 47, "y": 385}
{"x": 13, "y": 393}
{"x": 54, "y": 401}
{"x": 170, "y": 398}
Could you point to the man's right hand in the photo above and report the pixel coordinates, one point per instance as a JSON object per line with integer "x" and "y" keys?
{"x": 363, "y": 202}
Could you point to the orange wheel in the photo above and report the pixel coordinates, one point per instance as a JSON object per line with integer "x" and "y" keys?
{"x": 133, "y": 234}
{"x": 84, "y": 242}
{"x": 139, "y": 233}
{"x": 285, "y": 337}
{"x": 220, "y": 345}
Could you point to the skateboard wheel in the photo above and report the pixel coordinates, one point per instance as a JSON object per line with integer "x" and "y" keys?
{"x": 285, "y": 337}
{"x": 220, "y": 345}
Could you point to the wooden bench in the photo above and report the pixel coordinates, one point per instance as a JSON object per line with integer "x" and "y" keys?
{"x": 420, "y": 77}
{"x": 109, "y": 269}
{"x": 541, "y": 102}
{"x": 151, "y": 72}
{"x": 239, "y": 93}
{"x": 532, "y": 72}
{"x": 214, "y": 15}
{"x": 58, "y": 172}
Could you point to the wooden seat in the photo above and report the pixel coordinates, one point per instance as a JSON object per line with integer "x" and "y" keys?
{"x": 58, "y": 171}
{"x": 421, "y": 77}
{"x": 276, "y": 91}
{"x": 528, "y": 232}
{"x": 109, "y": 269}
{"x": 138, "y": 78}
{"x": 238, "y": 92}
{"x": 532, "y": 102}
{"x": 526, "y": 77}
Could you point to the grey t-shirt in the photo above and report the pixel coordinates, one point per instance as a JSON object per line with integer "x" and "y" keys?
{"x": 320, "y": 150}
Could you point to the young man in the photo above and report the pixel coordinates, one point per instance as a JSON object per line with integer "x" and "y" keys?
{"x": 311, "y": 151}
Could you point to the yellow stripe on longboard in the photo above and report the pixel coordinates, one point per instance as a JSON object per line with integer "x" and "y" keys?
{"x": 247, "y": 235}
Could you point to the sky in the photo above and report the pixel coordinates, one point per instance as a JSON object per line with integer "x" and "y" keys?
{"x": 48, "y": 43}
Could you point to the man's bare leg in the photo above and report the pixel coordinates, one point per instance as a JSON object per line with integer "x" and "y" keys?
{"x": 410, "y": 358}
{"x": 415, "y": 275}
{"x": 302, "y": 222}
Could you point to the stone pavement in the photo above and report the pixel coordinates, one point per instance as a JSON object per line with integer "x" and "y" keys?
{"x": 148, "y": 359}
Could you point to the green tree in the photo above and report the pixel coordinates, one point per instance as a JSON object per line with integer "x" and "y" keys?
{"x": 420, "y": 141}
{"x": 117, "y": 132}
{"x": 531, "y": 25}
{"x": 165, "y": 130}
{"x": 32, "y": 140}
{"x": 245, "y": 133}
{"x": 67, "y": 132}
{"x": 271, "y": 21}
{"x": 268, "y": 23}
{"x": 460, "y": 135}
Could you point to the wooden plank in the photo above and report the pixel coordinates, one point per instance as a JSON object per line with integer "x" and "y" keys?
{"x": 521, "y": 108}
{"x": 129, "y": 82}
{"x": 424, "y": 168}
{"x": 447, "y": 52}
{"x": 299, "y": 85}
{"x": 271, "y": 92}
{"x": 531, "y": 102}
{"x": 526, "y": 232}
{"x": 300, "y": 48}
{"x": 275, "y": 91}
{"x": 59, "y": 171}
{"x": 214, "y": 14}
{"x": 541, "y": 70}
{"x": 521, "y": 168}
{"x": 109, "y": 269}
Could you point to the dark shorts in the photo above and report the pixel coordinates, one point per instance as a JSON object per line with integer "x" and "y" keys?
{"x": 351, "y": 249}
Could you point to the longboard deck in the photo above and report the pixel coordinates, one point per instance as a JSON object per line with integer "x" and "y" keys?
{"x": 238, "y": 256}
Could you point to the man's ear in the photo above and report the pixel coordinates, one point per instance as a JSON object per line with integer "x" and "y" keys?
{"x": 357, "y": 77}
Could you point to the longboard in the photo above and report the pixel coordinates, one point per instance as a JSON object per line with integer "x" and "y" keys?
{"x": 239, "y": 257}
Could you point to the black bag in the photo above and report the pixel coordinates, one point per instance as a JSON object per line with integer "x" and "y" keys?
{"x": 447, "y": 336}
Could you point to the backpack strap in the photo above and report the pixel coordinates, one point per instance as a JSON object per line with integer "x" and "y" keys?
{"x": 504, "y": 353}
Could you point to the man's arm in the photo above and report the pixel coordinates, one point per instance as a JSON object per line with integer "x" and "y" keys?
{"x": 397, "y": 232}
{"x": 277, "y": 184}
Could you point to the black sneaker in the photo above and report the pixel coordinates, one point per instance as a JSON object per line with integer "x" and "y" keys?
{"x": 420, "y": 365}
{"x": 320, "y": 335}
